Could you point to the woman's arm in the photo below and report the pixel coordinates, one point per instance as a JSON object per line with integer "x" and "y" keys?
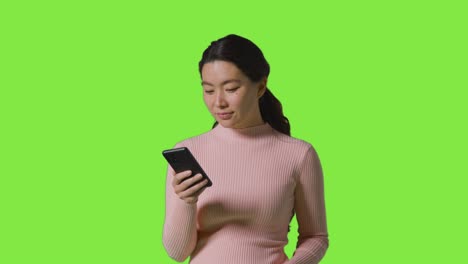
{"x": 180, "y": 229}
{"x": 310, "y": 211}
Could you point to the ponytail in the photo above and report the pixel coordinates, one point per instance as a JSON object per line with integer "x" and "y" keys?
{"x": 272, "y": 112}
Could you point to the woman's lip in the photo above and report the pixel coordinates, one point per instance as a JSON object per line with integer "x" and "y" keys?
{"x": 224, "y": 115}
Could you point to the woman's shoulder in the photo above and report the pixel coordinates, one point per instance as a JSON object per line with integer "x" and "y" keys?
{"x": 200, "y": 138}
{"x": 297, "y": 145}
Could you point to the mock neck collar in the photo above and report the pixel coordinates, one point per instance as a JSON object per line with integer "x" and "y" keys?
{"x": 252, "y": 132}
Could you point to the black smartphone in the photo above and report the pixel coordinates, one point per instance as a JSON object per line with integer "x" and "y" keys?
{"x": 181, "y": 159}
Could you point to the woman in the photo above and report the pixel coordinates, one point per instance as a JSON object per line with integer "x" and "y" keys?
{"x": 261, "y": 175}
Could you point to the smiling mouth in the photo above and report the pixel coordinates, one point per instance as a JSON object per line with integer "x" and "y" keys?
{"x": 224, "y": 115}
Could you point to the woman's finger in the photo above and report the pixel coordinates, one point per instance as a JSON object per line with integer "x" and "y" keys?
{"x": 192, "y": 191}
{"x": 191, "y": 187}
{"x": 187, "y": 183}
{"x": 179, "y": 177}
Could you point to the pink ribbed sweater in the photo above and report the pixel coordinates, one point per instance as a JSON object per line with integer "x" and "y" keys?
{"x": 259, "y": 176}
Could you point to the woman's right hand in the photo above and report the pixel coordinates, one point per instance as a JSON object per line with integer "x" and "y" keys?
{"x": 181, "y": 187}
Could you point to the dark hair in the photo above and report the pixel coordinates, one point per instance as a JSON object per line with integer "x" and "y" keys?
{"x": 250, "y": 60}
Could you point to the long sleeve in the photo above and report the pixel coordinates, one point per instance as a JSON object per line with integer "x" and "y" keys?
{"x": 180, "y": 229}
{"x": 309, "y": 205}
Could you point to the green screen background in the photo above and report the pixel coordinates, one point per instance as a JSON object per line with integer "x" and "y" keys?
{"x": 91, "y": 92}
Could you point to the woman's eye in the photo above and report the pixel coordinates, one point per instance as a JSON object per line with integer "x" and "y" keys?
{"x": 208, "y": 92}
{"x": 232, "y": 90}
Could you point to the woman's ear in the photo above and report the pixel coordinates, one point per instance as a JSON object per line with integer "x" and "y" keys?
{"x": 262, "y": 86}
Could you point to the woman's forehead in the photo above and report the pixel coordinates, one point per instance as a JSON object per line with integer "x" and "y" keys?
{"x": 220, "y": 73}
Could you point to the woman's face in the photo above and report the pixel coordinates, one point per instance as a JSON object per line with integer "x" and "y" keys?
{"x": 230, "y": 96}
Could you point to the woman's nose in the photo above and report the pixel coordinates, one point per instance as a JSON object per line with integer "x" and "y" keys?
{"x": 220, "y": 100}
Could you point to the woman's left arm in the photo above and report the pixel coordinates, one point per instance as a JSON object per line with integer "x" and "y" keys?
{"x": 309, "y": 205}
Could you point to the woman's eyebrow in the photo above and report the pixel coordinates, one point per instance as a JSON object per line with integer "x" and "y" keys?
{"x": 223, "y": 83}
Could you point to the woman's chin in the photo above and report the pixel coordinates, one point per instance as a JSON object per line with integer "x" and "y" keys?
{"x": 225, "y": 123}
